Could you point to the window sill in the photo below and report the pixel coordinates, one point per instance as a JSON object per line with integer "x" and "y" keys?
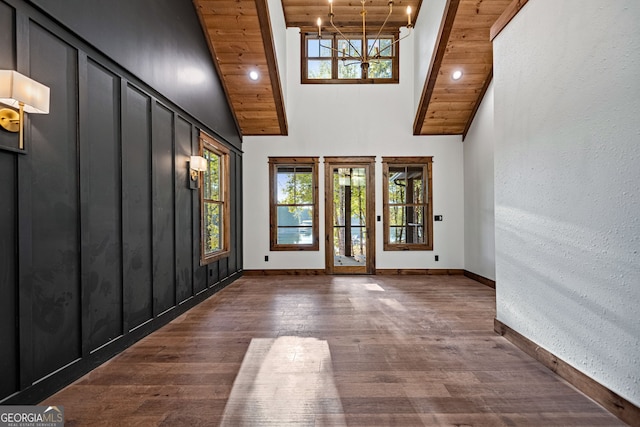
{"x": 407, "y": 247}
{"x": 350, "y": 81}
{"x": 215, "y": 257}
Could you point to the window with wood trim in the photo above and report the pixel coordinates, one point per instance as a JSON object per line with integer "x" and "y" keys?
{"x": 334, "y": 59}
{"x": 293, "y": 211}
{"x": 407, "y": 202}
{"x": 214, "y": 198}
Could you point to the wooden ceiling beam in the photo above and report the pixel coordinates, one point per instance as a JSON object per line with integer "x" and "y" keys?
{"x": 463, "y": 44}
{"x": 477, "y": 104}
{"x": 511, "y": 11}
{"x": 436, "y": 60}
{"x": 272, "y": 62}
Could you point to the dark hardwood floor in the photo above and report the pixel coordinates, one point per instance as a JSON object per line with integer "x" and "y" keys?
{"x": 331, "y": 351}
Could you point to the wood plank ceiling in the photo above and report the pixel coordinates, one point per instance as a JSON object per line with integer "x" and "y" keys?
{"x": 240, "y": 40}
{"x": 447, "y": 106}
{"x": 304, "y": 14}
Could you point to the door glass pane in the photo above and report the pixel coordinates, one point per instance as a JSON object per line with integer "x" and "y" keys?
{"x": 349, "y": 217}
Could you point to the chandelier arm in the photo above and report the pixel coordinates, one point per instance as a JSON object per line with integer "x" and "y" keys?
{"x": 333, "y": 49}
{"x": 346, "y": 58}
{"x": 395, "y": 42}
{"x": 381, "y": 28}
{"x": 365, "y": 54}
{"x": 352, "y": 63}
{"x": 343, "y": 36}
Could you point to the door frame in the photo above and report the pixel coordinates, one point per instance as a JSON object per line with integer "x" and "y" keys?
{"x": 369, "y": 163}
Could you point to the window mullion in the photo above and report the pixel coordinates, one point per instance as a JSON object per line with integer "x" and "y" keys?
{"x": 334, "y": 57}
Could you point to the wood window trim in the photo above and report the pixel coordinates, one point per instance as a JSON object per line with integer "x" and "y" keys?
{"x": 274, "y": 163}
{"x": 395, "y": 79}
{"x": 426, "y": 163}
{"x": 209, "y": 143}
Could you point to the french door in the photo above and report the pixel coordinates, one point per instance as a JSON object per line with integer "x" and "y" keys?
{"x": 349, "y": 215}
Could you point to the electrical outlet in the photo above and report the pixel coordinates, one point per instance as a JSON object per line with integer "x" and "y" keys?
{"x": 266, "y": 258}
{"x": 437, "y": 258}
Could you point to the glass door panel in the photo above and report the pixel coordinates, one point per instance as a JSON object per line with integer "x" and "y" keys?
{"x": 349, "y": 196}
{"x": 349, "y": 218}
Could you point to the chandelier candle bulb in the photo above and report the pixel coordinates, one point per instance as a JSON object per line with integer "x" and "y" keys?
{"x": 367, "y": 48}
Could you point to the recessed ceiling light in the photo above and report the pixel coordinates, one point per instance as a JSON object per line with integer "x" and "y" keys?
{"x": 253, "y": 75}
{"x": 456, "y": 75}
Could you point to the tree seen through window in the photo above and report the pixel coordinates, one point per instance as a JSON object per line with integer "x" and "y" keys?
{"x": 294, "y": 199}
{"x": 335, "y": 58}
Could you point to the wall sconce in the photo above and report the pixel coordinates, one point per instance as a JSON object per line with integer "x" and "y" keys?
{"x": 23, "y": 93}
{"x": 197, "y": 164}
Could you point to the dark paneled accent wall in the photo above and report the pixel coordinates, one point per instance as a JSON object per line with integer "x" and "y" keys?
{"x": 99, "y": 232}
{"x": 101, "y": 206}
{"x": 159, "y": 41}
{"x": 8, "y": 276}
{"x": 55, "y": 269}
{"x": 8, "y": 229}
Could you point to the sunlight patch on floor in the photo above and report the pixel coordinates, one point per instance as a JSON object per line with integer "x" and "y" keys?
{"x": 372, "y": 287}
{"x": 284, "y": 381}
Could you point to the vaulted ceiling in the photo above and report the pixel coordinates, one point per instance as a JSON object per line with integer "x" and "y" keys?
{"x": 239, "y": 34}
{"x": 304, "y": 13}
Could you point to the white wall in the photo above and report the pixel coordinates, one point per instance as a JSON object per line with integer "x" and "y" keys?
{"x": 479, "y": 230}
{"x": 567, "y": 184}
{"x": 343, "y": 120}
{"x": 425, "y": 35}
